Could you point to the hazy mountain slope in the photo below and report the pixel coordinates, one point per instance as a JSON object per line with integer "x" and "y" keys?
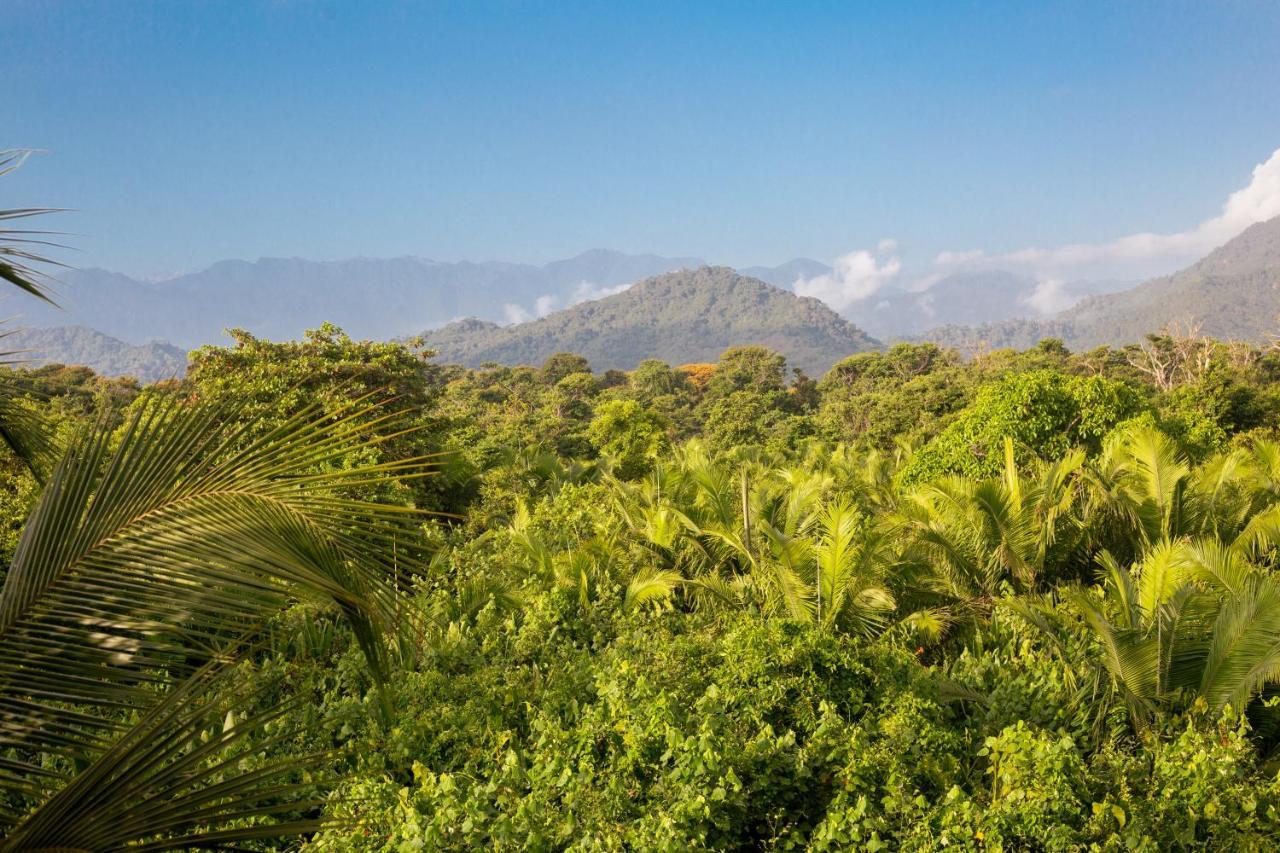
{"x": 785, "y": 275}
{"x": 688, "y": 316}
{"x": 1233, "y": 293}
{"x": 369, "y": 297}
{"x": 970, "y": 298}
{"x": 78, "y": 345}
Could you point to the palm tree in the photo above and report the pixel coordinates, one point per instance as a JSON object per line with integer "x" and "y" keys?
{"x": 778, "y": 540}
{"x": 851, "y": 561}
{"x": 20, "y": 248}
{"x": 1192, "y": 620}
{"x": 969, "y": 542}
{"x": 21, "y": 429}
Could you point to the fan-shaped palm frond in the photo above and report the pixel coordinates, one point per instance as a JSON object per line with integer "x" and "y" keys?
{"x": 1141, "y": 481}
{"x": 1192, "y": 621}
{"x": 1165, "y": 569}
{"x": 850, "y": 560}
{"x": 1244, "y": 645}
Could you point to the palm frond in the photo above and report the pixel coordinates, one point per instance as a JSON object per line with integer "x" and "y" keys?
{"x": 649, "y": 587}
{"x": 1244, "y": 651}
{"x": 149, "y": 552}
{"x": 19, "y": 257}
{"x": 173, "y": 779}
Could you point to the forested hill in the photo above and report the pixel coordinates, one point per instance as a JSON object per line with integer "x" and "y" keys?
{"x": 1232, "y": 293}
{"x": 681, "y": 317}
{"x": 77, "y": 345}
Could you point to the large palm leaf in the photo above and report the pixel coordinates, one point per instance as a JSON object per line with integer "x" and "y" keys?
{"x": 172, "y": 779}
{"x": 154, "y": 551}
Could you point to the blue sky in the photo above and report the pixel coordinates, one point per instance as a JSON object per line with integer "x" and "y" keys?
{"x": 744, "y": 133}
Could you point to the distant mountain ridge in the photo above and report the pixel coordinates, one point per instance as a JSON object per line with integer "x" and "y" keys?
{"x": 281, "y": 298}
{"x": 1230, "y": 293}
{"x": 680, "y": 317}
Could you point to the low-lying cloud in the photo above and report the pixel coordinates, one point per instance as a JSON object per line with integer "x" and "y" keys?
{"x": 854, "y": 277}
{"x": 1049, "y": 297}
{"x": 545, "y": 304}
{"x": 1138, "y": 255}
{"x": 862, "y": 274}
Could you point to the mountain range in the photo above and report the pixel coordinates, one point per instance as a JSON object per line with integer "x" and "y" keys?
{"x": 281, "y": 298}
{"x": 383, "y": 298}
{"x": 679, "y": 317}
{"x": 516, "y": 311}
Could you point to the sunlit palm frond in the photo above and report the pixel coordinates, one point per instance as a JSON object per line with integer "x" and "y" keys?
{"x": 651, "y": 587}
{"x": 1244, "y": 649}
{"x": 1164, "y": 570}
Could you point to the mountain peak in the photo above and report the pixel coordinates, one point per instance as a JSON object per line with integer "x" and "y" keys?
{"x": 689, "y": 315}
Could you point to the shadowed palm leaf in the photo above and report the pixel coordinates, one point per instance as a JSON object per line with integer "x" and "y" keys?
{"x": 21, "y": 429}
{"x": 20, "y": 247}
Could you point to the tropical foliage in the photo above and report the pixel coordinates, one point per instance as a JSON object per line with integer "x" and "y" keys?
{"x": 1026, "y": 601}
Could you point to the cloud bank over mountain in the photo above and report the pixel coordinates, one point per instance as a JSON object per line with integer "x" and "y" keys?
{"x": 545, "y": 304}
{"x": 880, "y": 290}
{"x": 854, "y": 277}
{"x": 1137, "y": 255}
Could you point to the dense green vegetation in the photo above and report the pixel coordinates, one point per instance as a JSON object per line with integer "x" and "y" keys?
{"x": 1023, "y": 601}
{"x": 342, "y": 594}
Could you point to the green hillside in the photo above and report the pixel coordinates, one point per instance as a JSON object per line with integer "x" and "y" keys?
{"x": 680, "y": 317}
{"x": 1234, "y": 292}
{"x": 77, "y": 345}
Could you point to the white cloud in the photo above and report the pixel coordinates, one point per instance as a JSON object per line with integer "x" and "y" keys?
{"x": 544, "y": 305}
{"x": 514, "y": 313}
{"x": 584, "y": 291}
{"x": 588, "y": 292}
{"x": 1049, "y": 297}
{"x": 855, "y": 277}
{"x": 1139, "y": 255}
